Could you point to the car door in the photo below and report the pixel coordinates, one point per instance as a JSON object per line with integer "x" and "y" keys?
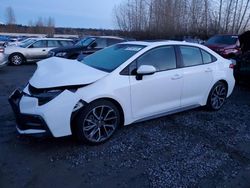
{"x": 160, "y": 92}
{"x": 38, "y": 50}
{"x": 198, "y": 70}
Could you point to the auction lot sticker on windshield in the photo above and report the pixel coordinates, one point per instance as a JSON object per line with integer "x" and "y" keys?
{"x": 136, "y": 49}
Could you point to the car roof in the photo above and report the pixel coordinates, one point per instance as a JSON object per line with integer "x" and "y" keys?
{"x": 108, "y": 37}
{"x": 53, "y": 39}
{"x": 160, "y": 43}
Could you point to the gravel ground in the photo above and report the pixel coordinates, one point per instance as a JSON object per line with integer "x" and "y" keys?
{"x": 195, "y": 148}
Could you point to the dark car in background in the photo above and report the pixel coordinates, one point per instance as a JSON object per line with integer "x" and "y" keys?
{"x": 228, "y": 46}
{"x": 86, "y": 46}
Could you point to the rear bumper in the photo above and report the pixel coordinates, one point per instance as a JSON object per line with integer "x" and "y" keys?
{"x": 27, "y": 123}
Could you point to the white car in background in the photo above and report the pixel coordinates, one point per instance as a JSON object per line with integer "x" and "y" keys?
{"x": 17, "y": 43}
{"x": 119, "y": 85}
{"x": 32, "y": 50}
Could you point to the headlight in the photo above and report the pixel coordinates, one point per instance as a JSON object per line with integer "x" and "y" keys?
{"x": 46, "y": 95}
{"x": 61, "y": 54}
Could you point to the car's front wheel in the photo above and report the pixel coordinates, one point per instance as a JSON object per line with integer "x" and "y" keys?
{"x": 97, "y": 122}
{"x": 217, "y": 96}
{"x": 16, "y": 59}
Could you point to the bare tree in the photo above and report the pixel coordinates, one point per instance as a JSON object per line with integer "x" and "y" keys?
{"x": 10, "y": 16}
{"x": 163, "y": 18}
{"x": 50, "y": 27}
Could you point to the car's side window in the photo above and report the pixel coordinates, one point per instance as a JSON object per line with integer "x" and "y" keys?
{"x": 207, "y": 58}
{"x": 162, "y": 58}
{"x": 191, "y": 56}
{"x": 63, "y": 43}
{"x": 53, "y": 43}
{"x": 101, "y": 43}
{"x": 40, "y": 44}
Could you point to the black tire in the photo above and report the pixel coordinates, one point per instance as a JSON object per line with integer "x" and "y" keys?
{"x": 16, "y": 59}
{"x": 217, "y": 96}
{"x": 97, "y": 122}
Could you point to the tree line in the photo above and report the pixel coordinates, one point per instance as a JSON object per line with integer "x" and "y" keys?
{"x": 173, "y": 18}
{"x": 47, "y": 26}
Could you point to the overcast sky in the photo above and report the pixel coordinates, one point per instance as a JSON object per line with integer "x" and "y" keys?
{"x": 67, "y": 13}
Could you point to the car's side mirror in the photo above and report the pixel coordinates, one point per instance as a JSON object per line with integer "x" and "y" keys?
{"x": 145, "y": 70}
{"x": 31, "y": 46}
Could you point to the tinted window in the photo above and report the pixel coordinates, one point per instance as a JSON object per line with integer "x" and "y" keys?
{"x": 223, "y": 39}
{"x": 207, "y": 58}
{"x": 162, "y": 58}
{"x": 191, "y": 56}
{"x": 26, "y": 43}
{"x": 101, "y": 43}
{"x": 40, "y": 44}
{"x": 85, "y": 41}
{"x": 114, "y": 41}
{"x": 53, "y": 43}
{"x": 112, "y": 57}
{"x": 65, "y": 43}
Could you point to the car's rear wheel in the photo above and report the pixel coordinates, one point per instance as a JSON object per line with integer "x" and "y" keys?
{"x": 16, "y": 59}
{"x": 217, "y": 96}
{"x": 97, "y": 122}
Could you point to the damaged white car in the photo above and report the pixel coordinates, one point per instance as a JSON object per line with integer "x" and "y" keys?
{"x": 120, "y": 85}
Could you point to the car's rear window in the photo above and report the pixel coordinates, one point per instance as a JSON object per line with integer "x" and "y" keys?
{"x": 223, "y": 39}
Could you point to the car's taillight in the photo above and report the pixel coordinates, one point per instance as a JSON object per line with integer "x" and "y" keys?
{"x": 1, "y": 50}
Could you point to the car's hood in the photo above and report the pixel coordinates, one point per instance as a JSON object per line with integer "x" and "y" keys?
{"x": 57, "y": 72}
{"x": 12, "y": 49}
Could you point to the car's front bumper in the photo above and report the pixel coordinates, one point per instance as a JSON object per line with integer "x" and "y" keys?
{"x": 27, "y": 123}
{"x": 3, "y": 59}
{"x": 52, "y": 118}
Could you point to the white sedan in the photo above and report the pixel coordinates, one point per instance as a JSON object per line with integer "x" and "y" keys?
{"x": 122, "y": 84}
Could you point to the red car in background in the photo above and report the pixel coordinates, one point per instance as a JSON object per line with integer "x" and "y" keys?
{"x": 227, "y": 46}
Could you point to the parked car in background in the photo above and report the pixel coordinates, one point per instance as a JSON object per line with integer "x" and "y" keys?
{"x": 3, "y": 59}
{"x": 121, "y": 84}
{"x": 17, "y": 41}
{"x": 86, "y": 46}
{"x": 4, "y": 40}
{"x": 33, "y": 50}
{"x": 227, "y": 46}
{"x": 195, "y": 40}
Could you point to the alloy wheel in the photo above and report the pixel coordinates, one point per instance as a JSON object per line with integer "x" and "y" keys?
{"x": 218, "y": 96}
{"x": 100, "y": 123}
{"x": 16, "y": 60}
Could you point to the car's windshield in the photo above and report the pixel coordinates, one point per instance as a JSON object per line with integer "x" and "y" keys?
{"x": 85, "y": 41}
{"x": 112, "y": 57}
{"x": 226, "y": 39}
{"x": 25, "y": 44}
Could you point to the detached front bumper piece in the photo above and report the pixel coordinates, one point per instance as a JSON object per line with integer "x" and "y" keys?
{"x": 27, "y": 123}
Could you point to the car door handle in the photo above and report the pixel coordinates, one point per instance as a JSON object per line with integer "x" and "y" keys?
{"x": 44, "y": 50}
{"x": 176, "y": 77}
{"x": 208, "y": 70}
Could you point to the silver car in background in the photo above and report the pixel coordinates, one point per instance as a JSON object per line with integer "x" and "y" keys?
{"x": 32, "y": 50}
